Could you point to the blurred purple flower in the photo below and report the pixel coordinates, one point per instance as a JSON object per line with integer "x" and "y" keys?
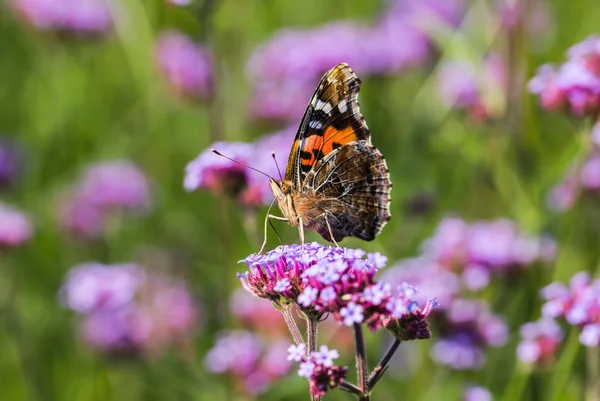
{"x": 94, "y": 286}
{"x": 477, "y": 393}
{"x": 257, "y": 314}
{"x": 285, "y": 70}
{"x": 74, "y": 16}
{"x": 103, "y": 189}
{"x": 179, "y": 2}
{"x": 251, "y": 361}
{"x": 15, "y": 227}
{"x": 464, "y": 86}
{"x": 127, "y": 309}
{"x": 9, "y": 163}
{"x": 467, "y": 328}
{"x": 222, "y": 176}
{"x": 186, "y": 66}
{"x": 483, "y": 249}
{"x": 540, "y": 341}
{"x": 575, "y": 85}
{"x": 582, "y": 178}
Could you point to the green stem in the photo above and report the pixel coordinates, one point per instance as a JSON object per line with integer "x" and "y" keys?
{"x": 383, "y": 364}
{"x": 361, "y": 360}
{"x": 292, "y": 326}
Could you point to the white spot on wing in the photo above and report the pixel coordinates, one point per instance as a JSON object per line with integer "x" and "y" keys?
{"x": 315, "y": 124}
{"x": 325, "y": 106}
{"x": 342, "y": 106}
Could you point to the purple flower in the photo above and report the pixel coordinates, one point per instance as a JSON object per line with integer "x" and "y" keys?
{"x": 94, "y": 286}
{"x": 321, "y": 372}
{"x": 590, "y": 335}
{"x": 328, "y": 280}
{"x": 186, "y": 66}
{"x": 9, "y": 163}
{"x": 222, "y": 176}
{"x": 127, "y": 309}
{"x": 256, "y": 313}
{"x": 296, "y": 352}
{"x": 467, "y": 328}
{"x": 575, "y": 85}
{"x": 75, "y": 16}
{"x": 578, "y": 304}
{"x": 15, "y": 227}
{"x": 102, "y": 190}
{"x": 540, "y": 341}
{"x": 248, "y": 359}
{"x": 351, "y": 314}
{"x": 477, "y": 393}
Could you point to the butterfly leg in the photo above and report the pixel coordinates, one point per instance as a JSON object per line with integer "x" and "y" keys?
{"x": 269, "y": 216}
{"x": 301, "y": 232}
{"x": 330, "y": 231}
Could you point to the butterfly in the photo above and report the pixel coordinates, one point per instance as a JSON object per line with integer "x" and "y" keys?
{"x": 336, "y": 182}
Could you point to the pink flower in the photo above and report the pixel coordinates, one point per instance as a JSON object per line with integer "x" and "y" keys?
{"x": 540, "y": 341}
{"x": 76, "y": 16}
{"x": 185, "y": 65}
{"x": 103, "y": 190}
{"x": 127, "y": 309}
{"x": 15, "y": 227}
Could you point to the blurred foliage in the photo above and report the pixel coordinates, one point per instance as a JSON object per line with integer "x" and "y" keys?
{"x": 73, "y": 101}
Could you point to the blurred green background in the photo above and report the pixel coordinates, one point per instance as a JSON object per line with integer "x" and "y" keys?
{"x": 74, "y": 101}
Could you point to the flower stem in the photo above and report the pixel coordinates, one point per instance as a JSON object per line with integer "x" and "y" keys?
{"x": 292, "y": 326}
{"x": 592, "y": 392}
{"x": 361, "y": 360}
{"x": 350, "y": 387}
{"x": 383, "y": 364}
{"x": 311, "y": 338}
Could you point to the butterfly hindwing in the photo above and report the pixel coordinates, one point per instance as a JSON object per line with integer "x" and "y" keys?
{"x": 354, "y": 187}
{"x": 332, "y": 119}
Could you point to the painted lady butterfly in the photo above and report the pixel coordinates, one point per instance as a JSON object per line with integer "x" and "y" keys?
{"x": 336, "y": 181}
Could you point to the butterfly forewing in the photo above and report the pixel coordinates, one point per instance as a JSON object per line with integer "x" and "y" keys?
{"x": 331, "y": 120}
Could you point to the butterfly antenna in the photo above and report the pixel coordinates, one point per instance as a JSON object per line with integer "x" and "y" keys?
{"x": 277, "y": 165}
{"x": 240, "y": 163}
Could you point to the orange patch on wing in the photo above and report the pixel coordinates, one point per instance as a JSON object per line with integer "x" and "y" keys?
{"x": 326, "y": 142}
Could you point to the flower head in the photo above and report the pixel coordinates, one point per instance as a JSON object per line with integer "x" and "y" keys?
{"x": 186, "y": 66}
{"x": 15, "y": 227}
{"x": 103, "y": 190}
{"x": 127, "y": 309}
{"x": 573, "y": 86}
{"x": 75, "y": 16}
{"x": 318, "y": 367}
{"x": 540, "y": 341}
{"x": 253, "y": 362}
{"x": 338, "y": 281}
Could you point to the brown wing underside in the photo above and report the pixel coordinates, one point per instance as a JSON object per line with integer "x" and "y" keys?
{"x": 353, "y": 187}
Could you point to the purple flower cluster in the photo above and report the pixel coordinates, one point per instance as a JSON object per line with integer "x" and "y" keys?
{"x": 477, "y": 91}
{"x": 251, "y": 361}
{"x": 127, "y": 309}
{"x": 539, "y": 341}
{"x": 318, "y": 368}
{"x": 578, "y": 304}
{"x": 104, "y": 189}
{"x": 15, "y": 227}
{"x": 257, "y": 314}
{"x": 485, "y": 248}
{"x": 186, "y": 66}
{"x": 320, "y": 279}
{"x": 222, "y": 176}
{"x": 467, "y": 328}
{"x": 574, "y": 86}
{"x": 73, "y": 16}
{"x": 582, "y": 178}
{"x": 285, "y": 70}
